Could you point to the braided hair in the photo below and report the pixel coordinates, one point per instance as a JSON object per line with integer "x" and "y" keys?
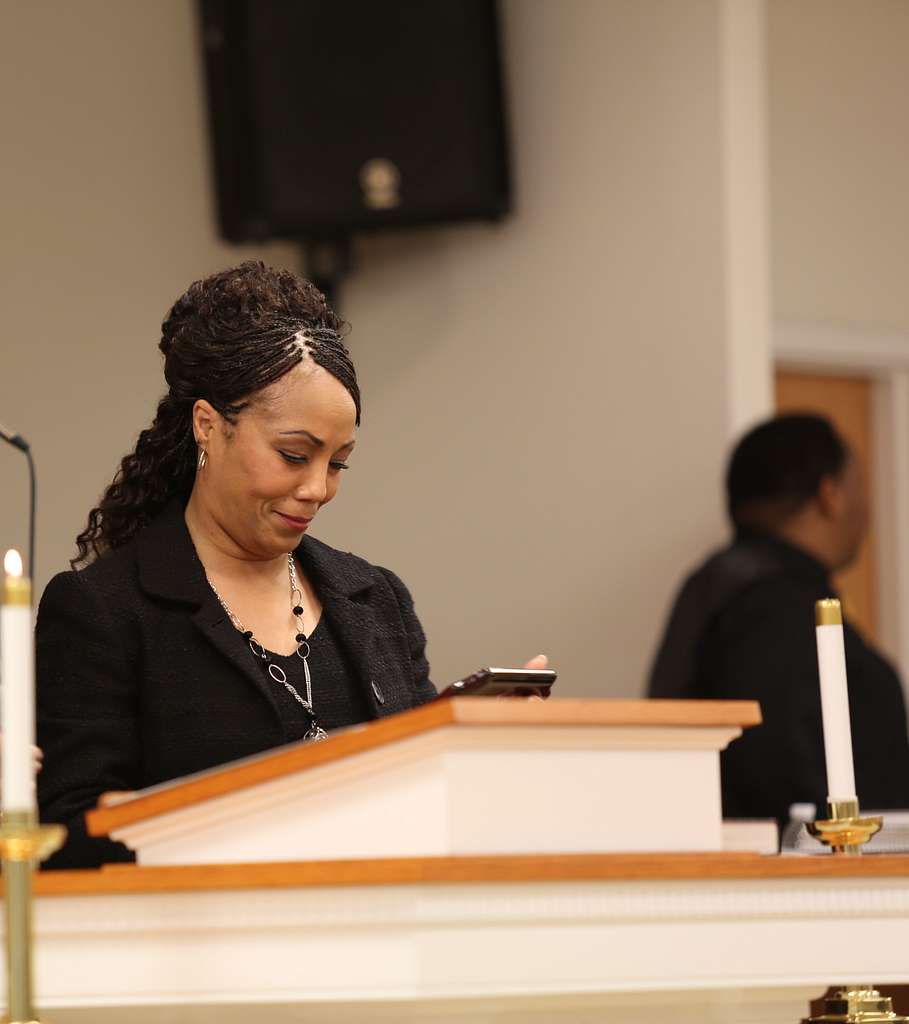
{"x": 227, "y": 337}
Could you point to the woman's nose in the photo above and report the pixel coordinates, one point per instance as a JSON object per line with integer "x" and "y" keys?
{"x": 313, "y": 487}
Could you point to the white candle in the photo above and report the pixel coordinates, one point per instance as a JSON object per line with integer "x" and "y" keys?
{"x": 17, "y": 689}
{"x": 831, "y": 663}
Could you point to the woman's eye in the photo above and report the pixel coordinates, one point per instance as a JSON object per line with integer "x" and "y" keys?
{"x": 295, "y": 459}
{"x": 301, "y": 459}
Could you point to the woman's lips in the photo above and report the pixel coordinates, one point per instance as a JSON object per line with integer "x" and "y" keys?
{"x": 295, "y": 524}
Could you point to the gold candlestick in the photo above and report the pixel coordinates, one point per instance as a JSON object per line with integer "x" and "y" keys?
{"x": 843, "y": 830}
{"x": 22, "y": 842}
{"x": 856, "y": 1004}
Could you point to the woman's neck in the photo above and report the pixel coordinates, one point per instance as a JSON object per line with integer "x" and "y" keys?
{"x": 220, "y": 553}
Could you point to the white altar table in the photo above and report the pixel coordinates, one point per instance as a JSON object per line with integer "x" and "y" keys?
{"x": 644, "y": 937}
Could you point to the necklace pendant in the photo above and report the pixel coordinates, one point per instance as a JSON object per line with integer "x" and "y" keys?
{"x": 315, "y": 733}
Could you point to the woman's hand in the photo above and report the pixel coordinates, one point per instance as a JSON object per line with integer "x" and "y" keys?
{"x": 37, "y": 756}
{"x": 539, "y": 661}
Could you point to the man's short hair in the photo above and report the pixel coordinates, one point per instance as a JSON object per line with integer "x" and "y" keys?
{"x": 778, "y": 466}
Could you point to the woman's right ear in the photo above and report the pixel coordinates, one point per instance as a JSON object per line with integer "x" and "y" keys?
{"x": 204, "y": 418}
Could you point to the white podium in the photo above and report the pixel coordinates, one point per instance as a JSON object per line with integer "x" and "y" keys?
{"x": 455, "y": 777}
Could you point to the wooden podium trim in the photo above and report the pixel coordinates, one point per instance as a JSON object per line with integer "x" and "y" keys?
{"x": 616, "y": 867}
{"x": 473, "y": 711}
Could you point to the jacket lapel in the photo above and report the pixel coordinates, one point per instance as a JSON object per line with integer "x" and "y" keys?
{"x": 213, "y": 623}
{"x": 344, "y": 584}
{"x": 169, "y": 568}
{"x": 354, "y": 626}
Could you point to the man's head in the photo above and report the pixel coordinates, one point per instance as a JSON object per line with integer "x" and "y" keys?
{"x": 794, "y": 477}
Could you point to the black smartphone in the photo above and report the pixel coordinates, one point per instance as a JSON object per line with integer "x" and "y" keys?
{"x": 503, "y": 682}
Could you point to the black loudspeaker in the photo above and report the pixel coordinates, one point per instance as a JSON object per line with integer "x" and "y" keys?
{"x": 335, "y": 116}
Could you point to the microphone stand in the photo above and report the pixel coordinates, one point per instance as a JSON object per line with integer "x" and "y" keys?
{"x": 18, "y": 441}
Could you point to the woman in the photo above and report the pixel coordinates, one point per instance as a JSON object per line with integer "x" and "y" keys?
{"x": 203, "y": 624}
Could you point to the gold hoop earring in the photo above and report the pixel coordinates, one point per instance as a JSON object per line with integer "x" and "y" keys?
{"x": 203, "y": 458}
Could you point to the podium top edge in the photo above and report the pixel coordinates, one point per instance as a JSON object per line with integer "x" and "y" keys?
{"x": 222, "y": 780}
{"x": 582, "y": 712}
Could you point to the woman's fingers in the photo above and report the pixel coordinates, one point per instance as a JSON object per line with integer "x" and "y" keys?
{"x": 538, "y": 662}
{"x": 37, "y": 755}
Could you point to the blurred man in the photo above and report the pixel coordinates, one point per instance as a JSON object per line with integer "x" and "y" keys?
{"x": 742, "y": 626}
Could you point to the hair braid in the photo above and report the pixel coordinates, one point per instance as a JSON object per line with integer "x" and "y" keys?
{"x": 160, "y": 466}
{"x": 227, "y": 337}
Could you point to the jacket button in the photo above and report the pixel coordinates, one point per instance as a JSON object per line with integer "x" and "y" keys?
{"x": 375, "y": 689}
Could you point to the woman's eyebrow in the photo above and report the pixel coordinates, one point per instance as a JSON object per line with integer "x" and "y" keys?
{"x": 317, "y": 441}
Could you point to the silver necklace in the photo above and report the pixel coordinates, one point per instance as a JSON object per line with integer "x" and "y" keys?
{"x": 315, "y": 731}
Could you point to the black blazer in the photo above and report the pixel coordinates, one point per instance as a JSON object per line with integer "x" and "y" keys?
{"x": 142, "y": 678}
{"x": 742, "y": 627}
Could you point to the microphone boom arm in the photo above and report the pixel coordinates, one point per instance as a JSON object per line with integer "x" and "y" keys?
{"x": 18, "y": 441}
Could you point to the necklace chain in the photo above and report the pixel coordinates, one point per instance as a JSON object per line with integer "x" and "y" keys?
{"x": 315, "y": 731}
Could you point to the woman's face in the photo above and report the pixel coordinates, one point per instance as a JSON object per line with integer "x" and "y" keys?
{"x": 269, "y": 473}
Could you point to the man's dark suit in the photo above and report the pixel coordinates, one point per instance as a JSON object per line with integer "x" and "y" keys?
{"x": 142, "y": 678}
{"x": 742, "y": 627}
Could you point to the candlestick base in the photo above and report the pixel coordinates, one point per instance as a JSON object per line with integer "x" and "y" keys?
{"x": 844, "y": 831}
{"x": 857, "y": 1004}
{"x": 22, "y": 839}
{"x": 23, "y": 842}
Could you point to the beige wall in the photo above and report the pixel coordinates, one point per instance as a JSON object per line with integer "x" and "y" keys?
{"x": 106, "y": 218}
{"x": 546, "y": 405}
{"x": 839, "y": 160}
{"x": 545, "y": 399}
{"x": 839, "y": 166}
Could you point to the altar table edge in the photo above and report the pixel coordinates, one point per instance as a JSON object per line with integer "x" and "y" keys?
{"x": 130, "y": 878}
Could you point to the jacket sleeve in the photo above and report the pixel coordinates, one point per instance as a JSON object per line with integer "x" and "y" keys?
{"x": 86, "y": 716}
{"x": 674, "y": 670}
{"x": 424, "y": 690}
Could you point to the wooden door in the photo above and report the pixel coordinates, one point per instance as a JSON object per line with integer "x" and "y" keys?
{"x": 846, "y": 402}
